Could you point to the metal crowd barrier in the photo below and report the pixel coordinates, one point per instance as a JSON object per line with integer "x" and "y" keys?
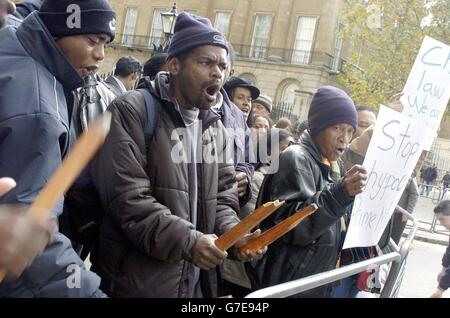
{"x": 438, "y": 193}
{"x": 393, "y": 254}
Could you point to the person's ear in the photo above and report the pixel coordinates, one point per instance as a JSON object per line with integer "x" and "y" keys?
{"x": 174, "y": 66}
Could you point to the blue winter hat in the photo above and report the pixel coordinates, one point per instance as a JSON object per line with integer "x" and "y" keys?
{"x": 331, "y": 106}
{"x": 191, "y": 31}
{"x": 75, "y": 17}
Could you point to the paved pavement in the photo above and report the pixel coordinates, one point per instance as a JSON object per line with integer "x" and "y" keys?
{"x": 422, "y": 266}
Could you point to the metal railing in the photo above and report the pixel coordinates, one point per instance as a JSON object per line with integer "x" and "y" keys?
{"x": 438, "y": 193}
{"x": 282, "y": 55}
{"x": 282, "y": 109}
{"x": 395, "y": 255}
{"x": 397, "y": 270}
{"x": 248, "y": 52}
{"x": 433, "y": 226}
{"x": 136, "y": 41}
{"x": 442, "y": 194}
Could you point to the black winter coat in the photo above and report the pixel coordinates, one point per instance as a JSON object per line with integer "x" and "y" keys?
{"x": 147, "y": 236}
{"x": 313, "y": 246}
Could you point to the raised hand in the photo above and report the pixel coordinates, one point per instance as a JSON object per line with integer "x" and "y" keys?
{"x": 354, "y": 180}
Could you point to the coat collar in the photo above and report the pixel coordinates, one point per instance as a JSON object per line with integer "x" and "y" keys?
{"x": 309, "y": 144}
{"x": 40, "y": 45}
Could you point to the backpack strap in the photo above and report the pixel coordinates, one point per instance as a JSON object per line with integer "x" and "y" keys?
{"x": 150, "y": 105}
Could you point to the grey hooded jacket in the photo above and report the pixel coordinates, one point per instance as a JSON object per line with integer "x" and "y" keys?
{"x": 312, "y": 246}
{"x": 35, "y": 76}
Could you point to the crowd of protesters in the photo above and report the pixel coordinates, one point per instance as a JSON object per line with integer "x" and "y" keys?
{"x": 191, "y": 151}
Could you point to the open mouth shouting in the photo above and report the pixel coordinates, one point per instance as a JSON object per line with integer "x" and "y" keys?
{"x": 246, "y": 111}
{"x": 85, "y": 71}
{"x": 340, "y": 151}
{"x": 211, "y": 92}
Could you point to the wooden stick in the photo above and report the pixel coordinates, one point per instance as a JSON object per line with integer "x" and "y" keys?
{"x": 225, "y": 241}
{"x": 82, "y": 152}
{"x": 279, "y": 230}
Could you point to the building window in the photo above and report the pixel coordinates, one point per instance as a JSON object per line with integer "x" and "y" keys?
{"x": 288, "y": 95}
{"x": 295, "y": 102}
{"x": 260, "y": 36}
{"x": 129, "y": 26}
{"x": 156, "y": 32}
{"x": 304, "y": 40}
{"x": 301, "y": 109}
{"x": 222, "y": 22}
{"x": 289, "y": 100}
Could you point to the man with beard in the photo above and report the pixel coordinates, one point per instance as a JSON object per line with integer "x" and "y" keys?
{"x": 168, "y": 199}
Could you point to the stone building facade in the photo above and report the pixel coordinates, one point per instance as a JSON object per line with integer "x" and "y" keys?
{"x": 288, "y": 48}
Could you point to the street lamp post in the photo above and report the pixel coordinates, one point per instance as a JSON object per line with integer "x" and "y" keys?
{"x": 168, "y": 23}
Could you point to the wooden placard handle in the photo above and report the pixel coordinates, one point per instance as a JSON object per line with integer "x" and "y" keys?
{"x": 228, "y": 239}
{"x": 279, "y": 230}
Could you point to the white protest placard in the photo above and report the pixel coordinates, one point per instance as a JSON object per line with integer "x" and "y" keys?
{"x": 427, "y": 89}
{"x": 394, "y": 149}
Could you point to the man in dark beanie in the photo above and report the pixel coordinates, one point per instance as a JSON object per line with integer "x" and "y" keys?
{"x": 168, "y": 201}
{"x": 329, "y": 106}
{"x": 191, "y": 31}
{"x": 310, "y": 172}
{"x": 41, "y": 63}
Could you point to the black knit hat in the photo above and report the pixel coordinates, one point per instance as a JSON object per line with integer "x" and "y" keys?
{"x": 331, "y": 106}
{"x": 75, "y": 17}
{"x": 234, "y": 82}
{"x": 191, "y": 31}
